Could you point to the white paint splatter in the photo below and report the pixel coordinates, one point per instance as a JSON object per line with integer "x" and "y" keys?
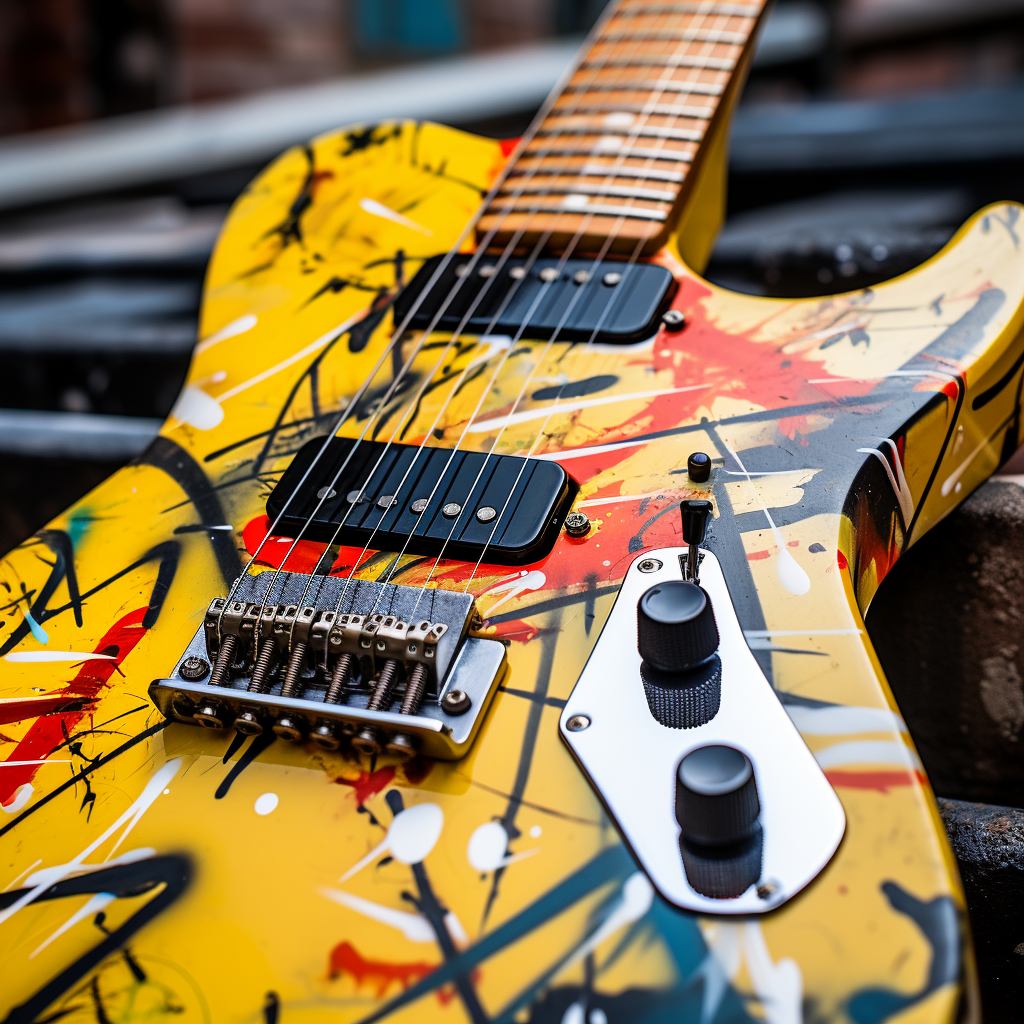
{"x": 597, "y": 1016}
{"x": 198, "y": 409}
{"x": 778, "y": 985}
{"x": 414, "y": 832}
{"x": 536, "y": 831}
{"x": 21, "y": 796}
{"x": 265, "y": 803}
{"x": 637, "y": 898}
{"x": 951, "y": 480}
{"x": 840, "y": 721}
{"x": 11, "y": 764}
{"x": 903, "y": 495}
{"x": 500, "y": 422}
{"x": 17, "y": 878}
{"x": 236, "y": 327}
{"x": 518, "y": 584}
{"x": 93, "y": 906}
{"x": 414, "y": 927}
{"x": 43, "y": 656}
{"x": 574, "y": 1014}
{"x": 488, "y": 846}
{"x": 371, "y": 206}
{"x": 129, "y": 819}
{"x": 891, "y": 752}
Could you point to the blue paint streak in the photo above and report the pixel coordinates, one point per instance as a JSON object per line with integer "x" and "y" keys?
{"x": 37, "y": 631}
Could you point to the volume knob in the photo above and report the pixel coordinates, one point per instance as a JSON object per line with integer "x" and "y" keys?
{"x": 676, "y": 628}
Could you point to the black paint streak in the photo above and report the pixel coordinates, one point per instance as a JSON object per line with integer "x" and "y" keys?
{"x": 255, "y": 748}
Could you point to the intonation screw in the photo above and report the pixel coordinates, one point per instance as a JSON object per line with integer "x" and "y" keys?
{"x": 193, "y": 669}
{"x": 402, "y": 744}
{"x": 674, "y": 320}
{"x": 456, "y": 702}
{"x": 368, "y": 740}
{"x": 292, "y": 683}
{"x": 578, "y": 723}
{"x": 325, "y": 733}
{"x": 258, "y": 682}
{"x": 577, "y": 524}
{"x": 225, "y": 659}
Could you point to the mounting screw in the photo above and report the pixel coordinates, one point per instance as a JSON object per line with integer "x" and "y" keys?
{"x": 456, "y": 702}
{"x": 674, "y": 320}
{"x": 578, "y": 723}
{"x": 698, "y": 467}
{"x": 649, "y": 565}
{"x": 193, "y": 669}
{"x": 766, "y": 890}
{"x": 577, "y": 524}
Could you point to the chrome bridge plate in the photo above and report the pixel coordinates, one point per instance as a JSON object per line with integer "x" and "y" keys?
{"x": 631, "y": 759}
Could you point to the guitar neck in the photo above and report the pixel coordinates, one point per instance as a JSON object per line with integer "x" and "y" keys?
{"x": 607, "y": 164}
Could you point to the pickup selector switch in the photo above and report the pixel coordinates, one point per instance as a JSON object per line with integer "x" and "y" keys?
{"x": 718, "y": 811}
{"x": 677, "y": 638}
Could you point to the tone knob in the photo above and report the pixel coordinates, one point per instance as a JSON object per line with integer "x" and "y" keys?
{"x": 716, "y": 796}
{"x": 676, "y": 628}
{"x": 718, "y": 811}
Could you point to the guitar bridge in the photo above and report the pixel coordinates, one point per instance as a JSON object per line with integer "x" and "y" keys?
{"x": 385, "y": 667}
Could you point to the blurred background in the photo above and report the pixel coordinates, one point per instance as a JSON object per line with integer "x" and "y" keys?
{"x": 868, "y": 131}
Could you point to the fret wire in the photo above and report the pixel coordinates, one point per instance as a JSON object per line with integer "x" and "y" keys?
{"x": 708, "y": 10}
{"x": 661, "y": 61}
{"x": 649, "y": 131}
{"x": 591, "y": 209}
{"x": 607, "y": 171}
{"x": 657, "y": 110}
{"x": 656, "y": 195}
{"x": 678, "y": 36}
{"x": 641, "y": 85}
{"x": 670, "y": 155}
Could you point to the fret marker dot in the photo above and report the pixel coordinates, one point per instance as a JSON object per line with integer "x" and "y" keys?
{"x": 620, "y": 119}
{"x": 575, "y": 201}
{"x": 608, "y": 142}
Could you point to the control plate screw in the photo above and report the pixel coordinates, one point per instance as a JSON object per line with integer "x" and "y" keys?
{"x": 456, "y": 702}
{"x": 577, "y": 524}
{"x": 674, "y": 320}
{"x": 649, "y": 565}
{"x": 193, "y": 669}
{"x": 578, "y": 723}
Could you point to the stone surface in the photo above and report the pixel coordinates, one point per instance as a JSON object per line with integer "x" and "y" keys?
{"x": 989, "y": 845}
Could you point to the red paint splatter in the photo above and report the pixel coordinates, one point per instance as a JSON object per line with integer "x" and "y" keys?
{"x": 507, "y": 145}
{"x": 794, "y": 427}
{"x": 756, "y": 556}
{"x": 882, "y": 782}
{"x": 22, "y": 709}
{"x": 841, "y": 560}
{"x": 793, "y": 544}
{"x": 369, "y": 783}
{"x": 345, "y": 959}
{"x": 91, "y": 678}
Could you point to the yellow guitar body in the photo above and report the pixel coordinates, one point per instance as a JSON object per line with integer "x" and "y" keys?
{"x": 201, "y": 872}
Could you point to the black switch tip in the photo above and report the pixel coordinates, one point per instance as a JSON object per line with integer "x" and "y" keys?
{"x": 696, "y": 514}
{"x": 698, "y": 467}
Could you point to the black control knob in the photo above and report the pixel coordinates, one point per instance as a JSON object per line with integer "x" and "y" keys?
{"x": 718, "y": 811}
{"x": 716, "y": 796}
{"x": 676, "y": 628}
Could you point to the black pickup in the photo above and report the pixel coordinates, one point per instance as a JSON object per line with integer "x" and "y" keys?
{"x": 609, "y": 302}
{"x": 510, "y": 507}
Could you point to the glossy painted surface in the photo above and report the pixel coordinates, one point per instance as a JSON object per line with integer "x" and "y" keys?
{"x": 213, "y": 879}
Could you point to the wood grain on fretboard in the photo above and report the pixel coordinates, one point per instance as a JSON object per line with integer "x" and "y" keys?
{"x": 611, "y": 158}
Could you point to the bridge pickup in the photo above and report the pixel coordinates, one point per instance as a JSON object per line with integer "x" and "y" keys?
{"x": 613, "y": 303}
{"x": 504, "y": 508}
{"x": 387, "y": 669}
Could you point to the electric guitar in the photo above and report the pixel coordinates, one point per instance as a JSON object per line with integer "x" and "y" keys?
{"x": 482, "y": 638}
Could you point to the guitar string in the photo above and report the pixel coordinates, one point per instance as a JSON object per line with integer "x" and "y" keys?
{"x": 667, "y": 76}
{"x": 398, "y": 334}
{"x": 454, "y": 390}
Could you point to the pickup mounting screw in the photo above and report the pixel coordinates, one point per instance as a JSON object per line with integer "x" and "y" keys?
{"x": 578, "y": 723}
{"x": 649, "y": 565}
{"x": 456, "y": 702}
{"x": 193, "y": 669}
{"x": 674, "y": 320}
{"x": 577, "y": 524}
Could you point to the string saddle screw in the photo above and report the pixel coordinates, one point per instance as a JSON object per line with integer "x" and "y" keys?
{"x": 193, "y": 669}
{"x": 577, "y": 524}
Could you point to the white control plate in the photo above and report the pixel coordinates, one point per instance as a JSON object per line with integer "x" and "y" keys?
{"x": 631, "y": 758}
